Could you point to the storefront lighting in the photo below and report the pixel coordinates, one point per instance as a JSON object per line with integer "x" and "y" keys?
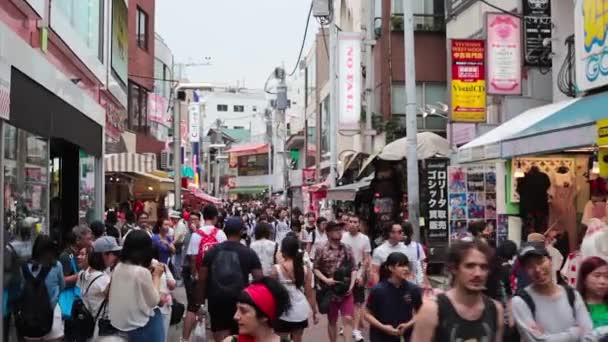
{"x": 519, "y": 173}
{"x": 596, "y": 168}
{"x": 150, "y": 188}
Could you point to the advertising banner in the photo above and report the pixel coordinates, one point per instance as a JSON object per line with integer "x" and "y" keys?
{"x": 157, "y": 109}
{"x": 468, "y": 81}
{"x": 590, "y": 29}
{"x": 504, "y": 54}
{"x": 537, "y": 32}
{"x": 437, "y": 188}
{"x": 120, "y": 40}
{"x": 5, "y": 90}
{"x": 349, "y": 80}
{"x": 194, "y": 121}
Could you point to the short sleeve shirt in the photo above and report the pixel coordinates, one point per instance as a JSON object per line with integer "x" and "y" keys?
{"x": 247, "y": 258}
{"x": 328, "y": 258}
{"x": 195, "y": 239}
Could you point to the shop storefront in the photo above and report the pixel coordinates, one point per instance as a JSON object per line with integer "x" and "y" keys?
{"x": 51, "y": 157}
{"x": 548, "y": 154}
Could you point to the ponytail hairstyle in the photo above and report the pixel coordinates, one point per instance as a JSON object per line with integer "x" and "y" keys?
{"x": 291, "y": 249}
{"x": 394, "y": 259}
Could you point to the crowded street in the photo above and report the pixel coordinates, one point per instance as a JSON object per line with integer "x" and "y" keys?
{"x": 304, "y": 170}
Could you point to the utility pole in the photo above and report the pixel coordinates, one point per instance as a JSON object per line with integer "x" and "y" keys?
{"x": 282, "y": 105}
{"x": 413, "y": 193}
{"x": 369, "y": 77}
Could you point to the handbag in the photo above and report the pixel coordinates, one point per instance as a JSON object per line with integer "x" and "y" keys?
{"x": 324, "y": 296}
{"x": 69, "y": 295}
{"x": 103, "y": 323}
{"x": 177, "y": 312}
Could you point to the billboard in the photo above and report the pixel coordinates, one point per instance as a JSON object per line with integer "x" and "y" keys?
{"x": 537, "y": 32}
{"x": 468, "y": 86}
{"x": 349, "y": 80}
{"x": 120, "y": 40}
{"x": 590, "y": 29}
{"x": 504, "y": 54}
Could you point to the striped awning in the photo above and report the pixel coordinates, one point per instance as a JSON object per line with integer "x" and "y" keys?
{"x": 130, "y": 162}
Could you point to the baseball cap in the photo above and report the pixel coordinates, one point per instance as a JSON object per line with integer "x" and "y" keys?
{"x": 530, "y": 249}
{"x": 106, "y": 244}
{"x": 175, "y": 214}
{"x": 233, "y": 225}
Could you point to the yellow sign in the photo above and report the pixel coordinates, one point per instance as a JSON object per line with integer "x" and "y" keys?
{"x": 602, "y": 132}
{"x": 468, "y": 101}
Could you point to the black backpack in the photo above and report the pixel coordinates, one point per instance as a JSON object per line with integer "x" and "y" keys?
{"x": 226, "y": 276}
{"x": 34, "y": 315}
{"x": 525, "y": 296}
{"x": 83, "y": 322}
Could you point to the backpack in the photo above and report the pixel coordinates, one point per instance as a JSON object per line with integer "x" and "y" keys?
{"x": 525, "y": 296}
{"x": 207, "y": 241}
{"x": 226, "y": 276}
{"x": 83, "y": 322}
{"x": 34, "y": 315}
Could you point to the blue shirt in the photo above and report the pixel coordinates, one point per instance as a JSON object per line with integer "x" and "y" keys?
{"x": 164, "y": 252}
{"x": 393, "y": 305}
{"x": 54, "y": 281}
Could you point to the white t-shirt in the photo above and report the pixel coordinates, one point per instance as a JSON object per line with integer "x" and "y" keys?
{"x": 360, "y": 246}
{"x": 265, "y": 249}
{"x": 281, "y": 229}
{"x": 164, "y": 288}
{"x": 413, "y": 251}
{"x": 181, "y": 229}
{"x": 96, "y": 282}
{"x": 195, "y": 240}
{"x": 320, "y": 241}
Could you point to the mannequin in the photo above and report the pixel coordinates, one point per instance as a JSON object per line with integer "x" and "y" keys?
{"x": 562, "y": 210}
{"x": 534, "y": 204}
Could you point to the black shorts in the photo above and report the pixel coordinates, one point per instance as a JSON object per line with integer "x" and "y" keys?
{"x": 221, "y": 314}
{"x": 284, "y": 327}
{"x": 190, "y": 287}
{"x": 359, "y": 294}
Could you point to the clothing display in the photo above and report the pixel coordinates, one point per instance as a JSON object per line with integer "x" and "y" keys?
{"x": 595, "y": 209}
{"x": 534, "y": 204}
{"x": 562, "y": 209}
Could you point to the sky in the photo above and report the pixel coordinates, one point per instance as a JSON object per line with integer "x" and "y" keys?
{"x": 245, "y": 39}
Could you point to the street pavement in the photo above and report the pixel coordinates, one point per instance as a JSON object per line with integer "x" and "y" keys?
{"x": 316, "y": 333}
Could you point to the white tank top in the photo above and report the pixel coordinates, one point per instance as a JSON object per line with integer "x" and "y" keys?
{"x": 300, "y": 309}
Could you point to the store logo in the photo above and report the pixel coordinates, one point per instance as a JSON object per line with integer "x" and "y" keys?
{"x": 595, "y": 16}
{"x": 597, "y": 65}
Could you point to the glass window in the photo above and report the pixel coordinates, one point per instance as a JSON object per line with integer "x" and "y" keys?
{"x": 86, "y": 211}
{"x": 138, "y": 108}
{"x": 222, "y": 108}
{"x": 85, "y": 18}
{"x": 26, "y": 168}
{"x": 142, "y": 29}
{"x": 239, "y": 109}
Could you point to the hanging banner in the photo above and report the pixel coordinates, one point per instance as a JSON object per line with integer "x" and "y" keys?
{"x": 157, "y": 109}
{"x": 504, "y": 54}
{"x": 349, "y": 80}
{"x": 5, "y": 90}
{"x": 468, "y": 81}
{"x": 590, "y": 29}
{"x": 437, "y": 195}
{"x": 120, "y": 40}
{"x": 537, "y": 32}
{"x": 194, "y": 121}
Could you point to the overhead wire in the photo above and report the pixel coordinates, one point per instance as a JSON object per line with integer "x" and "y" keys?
{"x": 295, "y": 67}
{"x": 500, "y": 9}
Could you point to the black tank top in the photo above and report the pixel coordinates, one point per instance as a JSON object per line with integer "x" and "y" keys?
{"x": 453, "y": 328}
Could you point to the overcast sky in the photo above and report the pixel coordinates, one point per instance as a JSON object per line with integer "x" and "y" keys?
{"x": 245, "y": 39}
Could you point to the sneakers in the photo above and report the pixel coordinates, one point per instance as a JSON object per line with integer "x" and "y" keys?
{"x": 358, "y": 336}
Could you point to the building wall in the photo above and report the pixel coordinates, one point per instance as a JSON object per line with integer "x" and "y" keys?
{"x": 250, "y": 99}
{"x": 141, "y": 62}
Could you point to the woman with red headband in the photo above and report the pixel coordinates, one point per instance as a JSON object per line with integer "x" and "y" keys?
{"x": 258, "y": 308}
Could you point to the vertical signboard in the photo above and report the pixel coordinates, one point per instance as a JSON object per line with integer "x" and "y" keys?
{"x": 537, "y": 32}
{"x": 5, "y": 90}
{"x": 468, "y": 87}
{"x": 504, "y": 54}
{"x": 590, "y": 29}
{"x": 349, "y": 80}
{"x": 120, "y": 40}
{"x": 437, "y": 187}
{"x": 194, "y": 122}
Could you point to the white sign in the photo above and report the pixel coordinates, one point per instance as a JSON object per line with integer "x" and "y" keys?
{"x": 5, "y": 90}
{"x": 349, "y": 80}
{"x": 591, "y": 55}
{"x": 194, "y": 122}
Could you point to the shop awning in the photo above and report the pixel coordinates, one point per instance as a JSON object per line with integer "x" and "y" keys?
{"x": 130, "y": 162}
{"x": 248, "y": 149}
{"x": 573, "y": 126}
{"x": 207, "y": 198}
{"x": 348, "y": 192}
{"x": 488, "y": 146}
{"x": 248, "y": 190}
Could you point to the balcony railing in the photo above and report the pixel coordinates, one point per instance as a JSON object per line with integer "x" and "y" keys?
{"x": 422, "y": 22}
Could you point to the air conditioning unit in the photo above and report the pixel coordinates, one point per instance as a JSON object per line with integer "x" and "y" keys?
{"x": 320, "y": 8}
{"x": 165, "y": 161}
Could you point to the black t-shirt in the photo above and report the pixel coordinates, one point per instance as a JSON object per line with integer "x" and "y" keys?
{"x": 248, "y": 259}
{"x": 393, "y": 305}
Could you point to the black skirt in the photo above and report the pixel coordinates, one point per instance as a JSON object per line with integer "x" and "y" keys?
{"x": 283, "y": 327}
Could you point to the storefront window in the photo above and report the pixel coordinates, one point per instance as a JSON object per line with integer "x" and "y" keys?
{"x": 85, "y": 18}
{"x": 86, "y": 209}
{"x": 25, "y": 187}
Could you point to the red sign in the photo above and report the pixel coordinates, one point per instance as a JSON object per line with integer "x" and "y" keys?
{"x": 468, "y": 81}
{"x": 309, "y": 176}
